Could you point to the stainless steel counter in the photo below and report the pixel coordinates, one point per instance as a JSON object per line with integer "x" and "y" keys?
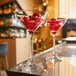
{"x": 65, "y": 51}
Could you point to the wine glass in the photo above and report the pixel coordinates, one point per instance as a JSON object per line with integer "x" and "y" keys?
{"x": 31, "y": 19}
{"x": 54, "y": 25}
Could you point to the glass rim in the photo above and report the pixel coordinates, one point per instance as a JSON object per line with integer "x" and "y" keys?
{"x": 58, "y": 19}
{"x": 23, "y": 12}
{"x": 55, "y": 18}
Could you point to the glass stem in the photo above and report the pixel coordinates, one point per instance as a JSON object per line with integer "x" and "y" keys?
{"x": 54, "y": 44}
{"x": 31, "y": 55}
{"x": 54, "y": 54}
{"x": 54, "y": 69}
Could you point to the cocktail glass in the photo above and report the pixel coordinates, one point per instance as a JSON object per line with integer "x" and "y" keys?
{"x": 54, "y": 25}
{"x": 31, "y": 19}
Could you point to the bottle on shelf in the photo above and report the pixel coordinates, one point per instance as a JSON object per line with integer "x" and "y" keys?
{"x": 9, "y": 9}
{"x": 21, "y": 33}
{"x": 3, "y": 35}
{"x": 1, "y": 10}
{"x": 14, "y": 6}
{"x": 8, "y": 21}
{"x": 7, "y": 33}
{"x": 16, "y": 35}
{"x": 4, "y": 21}
{"x": 11, "y": 33}
{"x": 1, "y": 21}
{"x": 5, "y": 10}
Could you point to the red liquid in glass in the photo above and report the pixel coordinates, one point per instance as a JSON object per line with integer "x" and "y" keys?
{"x": 31, "y": 22}
{"x": 54, "y": 25}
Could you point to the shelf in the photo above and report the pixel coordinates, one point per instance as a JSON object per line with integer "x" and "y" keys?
{"x": 7, "y": 30}
{"x": 6, "y": 2}
{"x": 6, "y": 38}
{"x": 14, "y": 27}
{"x": 6, "y": 15}
{"x": 10, "y": 2}
{"x": 12, "y": 32}
{"x": 10, "y": 37}
{"x": 3, "y": 2}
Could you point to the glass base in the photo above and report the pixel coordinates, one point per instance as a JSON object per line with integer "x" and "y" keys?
{"x": 54, "y": 59}
{"x": 33, "y": 68}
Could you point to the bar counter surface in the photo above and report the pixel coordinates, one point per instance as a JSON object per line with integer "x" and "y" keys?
{"x": 65, "y": 51}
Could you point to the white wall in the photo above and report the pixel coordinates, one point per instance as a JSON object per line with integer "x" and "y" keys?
{"x": 22, "y": 49}
{"x": 67, "y": 8}
{"x": 23, "y": 45}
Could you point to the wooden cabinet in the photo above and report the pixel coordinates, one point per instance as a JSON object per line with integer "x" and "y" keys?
{"x": 11, "y": 51}
{"x": 18, "y": 50}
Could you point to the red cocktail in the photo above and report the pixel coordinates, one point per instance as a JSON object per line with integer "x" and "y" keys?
{"x": 54, "y": 25}
{"x": 31, "y": 20}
